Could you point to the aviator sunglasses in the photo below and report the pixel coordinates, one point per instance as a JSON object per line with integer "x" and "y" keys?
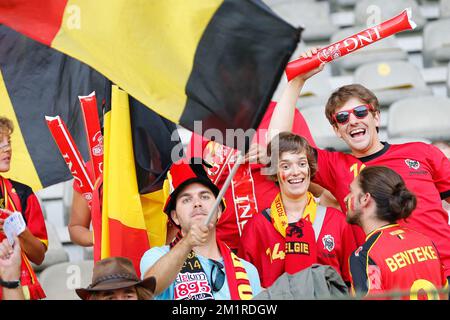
{"x": 360, "y": 112}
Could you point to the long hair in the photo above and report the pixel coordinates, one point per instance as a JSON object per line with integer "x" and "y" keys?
{"x": 394, "y": 201}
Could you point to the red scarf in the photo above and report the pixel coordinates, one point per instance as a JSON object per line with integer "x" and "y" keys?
{"x": 237, "y": 279}
{"x": 300, "y": 244}
{"x": 242, "y": 184}
{"x": 28, "y": 280}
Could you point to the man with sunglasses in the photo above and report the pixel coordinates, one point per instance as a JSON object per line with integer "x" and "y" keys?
{"x": 354, "y": 114}
{"x": 196, "y": 265}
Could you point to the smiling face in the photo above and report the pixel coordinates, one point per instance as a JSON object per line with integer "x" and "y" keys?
{"x": 360, "y": 134}
{"x": 293, "y": 174}
{"x": 193, "y": 205}
{"x": 5, "y": 152}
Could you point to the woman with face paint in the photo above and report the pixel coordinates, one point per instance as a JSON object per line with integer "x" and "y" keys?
{"x": 393, "y": 258}
{"x": 295, "y": 231}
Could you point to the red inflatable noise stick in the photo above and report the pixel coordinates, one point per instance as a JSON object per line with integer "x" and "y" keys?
{"x": 350, "y": 44}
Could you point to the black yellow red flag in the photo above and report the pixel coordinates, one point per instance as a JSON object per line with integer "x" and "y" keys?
{"x": 36, "y": 81}
{"x": 218, "y": 61}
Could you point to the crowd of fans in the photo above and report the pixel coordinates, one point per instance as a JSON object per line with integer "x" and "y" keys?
{"x": 377, "y": 215}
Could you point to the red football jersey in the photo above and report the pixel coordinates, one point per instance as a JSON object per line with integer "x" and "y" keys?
{"x": 397, "y": 259}
{"x": 31, "y": 211}
{"x": 426, "y": 172}
{"x": 263, "y": 246}
{"x": 264, "y": 190}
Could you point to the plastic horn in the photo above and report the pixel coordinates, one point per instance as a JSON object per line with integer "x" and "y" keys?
{"x": 71, "y": 155}
{"x": 350, "y": 44}
{"x": 93, "y": 133}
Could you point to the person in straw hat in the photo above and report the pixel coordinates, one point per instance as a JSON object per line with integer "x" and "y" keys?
{"x": 115, "y": 279}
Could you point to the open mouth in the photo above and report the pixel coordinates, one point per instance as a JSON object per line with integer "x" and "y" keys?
{"x": 296, "y": 180}
{"x": 357, "y": 133}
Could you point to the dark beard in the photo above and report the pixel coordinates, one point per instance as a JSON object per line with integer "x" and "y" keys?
{"x": 353, "y": 219}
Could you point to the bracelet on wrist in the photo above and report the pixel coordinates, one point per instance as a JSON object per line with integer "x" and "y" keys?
{"x": 10, "y": 284}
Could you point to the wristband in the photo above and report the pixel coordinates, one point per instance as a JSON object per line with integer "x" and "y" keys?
{"x": 10, "y": 284}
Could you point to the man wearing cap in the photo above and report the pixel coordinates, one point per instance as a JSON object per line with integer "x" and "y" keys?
{"x": 196, "y": 265}
{"x": 115, "y": 279}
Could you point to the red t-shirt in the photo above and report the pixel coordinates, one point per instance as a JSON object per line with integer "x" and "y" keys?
{"x": 264, "y": 189}
{"x": 426, "y": 172}
{"x": 398, "y": 259}
{"x": 262, "y": 245}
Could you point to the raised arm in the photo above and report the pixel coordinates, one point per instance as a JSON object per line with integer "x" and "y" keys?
{"x": 283, "y": 115}
{"x": 80, "y": 220}
{"x": 166, "y": 269}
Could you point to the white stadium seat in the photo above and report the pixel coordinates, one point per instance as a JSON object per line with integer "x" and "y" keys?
{"x": 55, "y": 252}
{"x": 313, "y": 16}
{"x": 436, "y": 43}
{"x": 386, "y": 49}
{"x": 372, "y": 12}
{"x": 420, "y": 117}
{"x": 392, "y": 80}
{"x": 60, "y": 280}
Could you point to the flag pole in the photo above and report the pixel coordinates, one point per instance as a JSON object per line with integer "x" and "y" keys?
{"x": 239, "y": 160}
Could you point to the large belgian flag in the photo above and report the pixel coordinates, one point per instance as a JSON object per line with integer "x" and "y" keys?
{"x": 36, "y": 81}
{"x": 218, "y": 61}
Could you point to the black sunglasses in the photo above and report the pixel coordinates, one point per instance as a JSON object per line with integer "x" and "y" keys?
{"x": 219, "y": 279}
{"x": 360, "y": 112}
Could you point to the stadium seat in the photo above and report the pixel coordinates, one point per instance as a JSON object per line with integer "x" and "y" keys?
{"x": 316, "y": 91}
{"x": 55, "y": 252}
{"x": 420, "y": 117}
{"x": 406, "y": 140}
{"x": 372, "y": 12}
{"x": 448, "y": 80}
{"x": 336, "y": 5}
{"x": 386, "y": 49}
{"x": 444, "y": 9}
{"x": 436, "y": 43}
{"x": 321, "y": 129}
{"x": 392, "y": 80}
{"x": 88, "y": 253}
{"x": 60, "y": 280}
{"x": 67, "y": 200}
{"x": 313, "y": 16}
